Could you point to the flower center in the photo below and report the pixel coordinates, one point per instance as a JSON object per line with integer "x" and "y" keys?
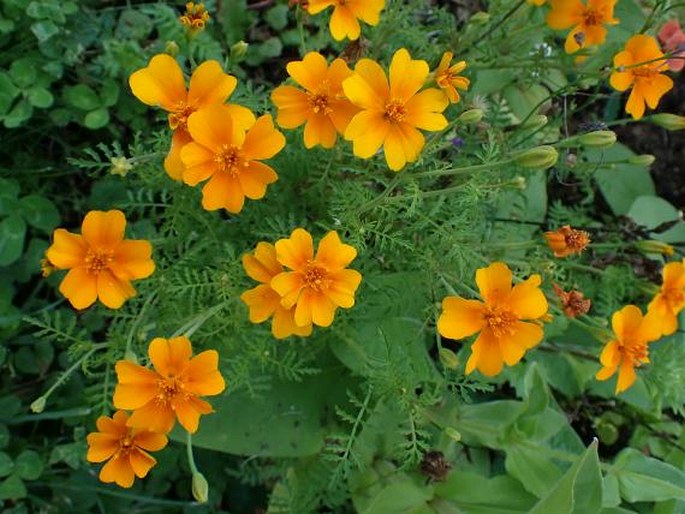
{"x": 635, "y": 353}
{"x": 316, "y": 277}
{"x": 395, "y": 111}
{"x": 592, "y": 18}
{"x": 319, "y": 103}
{"x": 576, "y": 240}
{"x": 126, "y": 444}
{"x": 179, "y": 117}
{"x": 500, "y": 321}
{"x": 228, "y": 159}
{"x": 674, "y": 297}
{"x": 168, "y": 388}
{"x": 98, "y": 261}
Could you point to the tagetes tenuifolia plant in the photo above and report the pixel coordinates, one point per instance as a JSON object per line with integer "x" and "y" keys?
{"x": 100, "y": 261}
{"x": 161, "y": 84}
{"x": 628, "y": 349}
{"x": 448, "y": 79}
{"x": 586, "y": 20}
{"x": 173, "y": 390}
{"x": 393, "y": 111}
{"x": 639, "y": 67}
{"x": 315, "y": 285}
{"x": 567, "y": 241}
{"x": 264, "y": 301}
{"x": 346, "y": 15}
{"x": 505, "y": 319}
{"x": 670, "y": 300}
{"x": 124, "y": 448}
{"x": 229, "y": 152}
{"x": 321, "y": 106}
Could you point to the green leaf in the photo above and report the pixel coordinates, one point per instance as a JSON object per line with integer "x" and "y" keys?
{"x": 401, "y": 496}
{"x": 40, "y": 97}
{"x": 23, "y": 72}
{"x": 28, "y": 465}
{"x": 652, "y": 211}
{"x": 18, "y": 115}
{"x": 477, "y": 494}
{"x": 109, "y": 93}
{"x": 487, "y": 423}
{"x": 270, "y": 48}
{"x": 532, "y": 466}
{"x": 8, "y": 92}
{"x": 71, "y": 454}
{"x": 34, "y": 359}
{"x": 82, "y": 97}
{"x": 12, "y": 488}
{"x": 9, "y": 190}
{"x": 235, "y": 18}
{"x": 39, "y": 212}
{"x": 579, "y": 491}
{"x": 96, "y": 119}
{"x": 4, "y": 436}
{"x": 44, "y": 30}
{"x": 645, "y": 479}
{"x": 6, "y": 464}
{"x": 277, "y": 16}
{"x": 12, "y": 234}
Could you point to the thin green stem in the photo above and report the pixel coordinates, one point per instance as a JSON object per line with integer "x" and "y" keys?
{"x": 189, "y": 453}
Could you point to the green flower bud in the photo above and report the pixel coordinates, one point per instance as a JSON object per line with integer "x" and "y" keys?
{"x": 652, "y": 246}
{"x": 453, "y": 434}
{"x": 607, "y": 432}
{"x": 535, "y": 122}
{"x": 171, "y": 48}
{"x": 598, "y": 139}
{"x": 539, "y": 158}
{"x": 471, "y": 116}
{"x": 238, "y": 51}
{"x": 668, "y": 121}
{"x": 480, "y": 18}
{"x": 642, "y": 160}
{"x": 38, "y": 405}
{"x": 200, "y": 488}
{"x": 448, "y": 358}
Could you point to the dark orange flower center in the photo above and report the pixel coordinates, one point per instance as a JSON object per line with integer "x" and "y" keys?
{"x": 229, "y": 159}
{"x": 98, "y": 261}
{"x": 576, "y": 240}
{"x": 178, "y": 119}
{"x": 319, "y": 103}
{"x": 395, "y": 111}
{"x": 673, "y": 296}
{"x": 500, "y": 321}
{"x": 316, "y": 277}
{"x": 636, "y": 353}
{"x": 592, "y": 18}
{"x": 126, "y": 444}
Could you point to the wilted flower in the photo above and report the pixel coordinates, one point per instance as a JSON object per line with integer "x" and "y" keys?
{"x": 573, "y": 303}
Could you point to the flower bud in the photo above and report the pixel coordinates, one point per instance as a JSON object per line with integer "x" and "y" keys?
{"x": 480, "y": 18}
{"x": 238, "y": 51}
{"x": 598, "y": 139}
{"x": 453, "y": 434}
{"x": 535, "y": 122}
{"x": 668, "y": 121}
{"x": 200, "y": 488}
{"x": 38, "y": 405}
{"x": 642, "y": 160}
{"x": 130, "y": 355}
{"x": 448, "y": 358}
{"x": 471, "y": 116}
{"x": 539, "y": 158}
{"x": 607, "y": 432}
{"x": 652, "y": 246}
{"x": 519, "y": 182}
{"x": 171, "y": 48}
{"x": 120, "y": 166}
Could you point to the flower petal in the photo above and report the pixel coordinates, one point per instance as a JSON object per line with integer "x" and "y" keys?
{"x": 460, "y": 318}
{"x": 203, "y": 374}
{"x": 173, "y": 163}
{"x": 67, "y": 250}
{"x": 486, "y": 355}
{"x": 526, "y": 300}
{"x": 368, "y": 87}
{"x": 367, "y": 131}
{"x": 210, "y": 85}
{"x": 262, "y": 141}
{"x": 407, "y": 75}
{"x": 288, "y": 285}
{"x": 494, "y": 282}
{"x": 119, "y": 471}
{"x": 254, "y": 178}
{"x": 133, "y": 260}
{"x": 293, "y": 107}
{"x": 262, "y": 302}
{"x": 150, "y": 441}
{"x": 101, "y": 446}
{"x": 333, "y": 253}
{"x": 263, "y": 265}
{"x": 626, "y": 376}
{"x": 160, "y": 83}
{"x": 80, "y": 288}
{"x": 295, "y": 251}
{"x": 170, "y": 357}
{"x": 310, "y": 72}
{"x": 344, "y": 23}
{"x": 141, "y": 462}
{"x": 223, "y": 191}
{"x": 112, "y": 291}
{"x": 423, "y": 110}
{"x": 103, "y": 230}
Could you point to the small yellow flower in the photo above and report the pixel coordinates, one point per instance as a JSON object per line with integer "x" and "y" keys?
{"x": 448, "y": 79}
{"x": 346, "y": 13}
{"x": 670, "y": 300}
{"x": 587, "y": 20}
{"x": 196, "y": 17}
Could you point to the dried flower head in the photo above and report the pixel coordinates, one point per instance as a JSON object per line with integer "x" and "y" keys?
{"x": 573, "y": 303}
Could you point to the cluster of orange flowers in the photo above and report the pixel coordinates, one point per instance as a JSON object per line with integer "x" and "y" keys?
{"x": 638, "y": 67}
{"x": 157, "y": 397}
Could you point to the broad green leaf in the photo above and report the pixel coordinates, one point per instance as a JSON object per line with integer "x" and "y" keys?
{"x": 579, "y": 491}
{"x": 12, "y": 488}
{"x": 9, "y": 190}
{"x": 82, "y": 97}
{"x": 23, "y": 72}
{"x": 21, "y": 112}
{"x": 477, "y": 494}
{"x": 12, "y": 234}
{"x": 525, "y": 100}
{"x": 645, "y": 479}
{"x": 6, "y": 464}
{"x": 487, "y": 423}
{"x": 96, "y": 119}
{"x": 44, "y": 30}
{"x": 652, "y": 211}
{"x": 532, "y": 466}
{"x": 40, "y": 97}
{"x": 28, "y": 465}
{"x": 8, "y": 92}
{"x": 39, "y": 212}
{"x": 277, "y": 16}
{"x": 402, "y": 496}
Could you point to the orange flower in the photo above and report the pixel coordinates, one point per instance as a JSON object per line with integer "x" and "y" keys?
{"x": 172, "y": 390}
{"x": 322, "y": 106}
{"x": 124, "y": 448}
{"x": 567, "y": 241}
{"x": 573, "y": 303}
{"x": 316, "y": 286}
{"x": 670, "y": 300}
{"x": 448, "y": 79}
{"x": 227, "y": 152}
{"x": 629, "y": 349}
{"x": 162, "y": 84}
{"x": 536, "y": 2}
{"x": 587, "y": 20}
{"x": 195, "y": 17}
{"x": 100, "y": 261}
{"x": 346, "y": 13}
{"x": 504, "y": 336}
{"x": 263, "y": 300}
{"x": 392, "y": 112}
{"x": 639, "y": 66}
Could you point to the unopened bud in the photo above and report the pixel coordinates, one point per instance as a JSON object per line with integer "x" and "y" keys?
{"x": 571, "y": 160}
{"x": 668, "y": 121}
{"x": 448, "y": 358}
{"x": 519, "y": 182}
{"x": 238, "y": 51}
{"x": 200, "y": 488}
{"x": 480, "y": 18}
{"x": 652, "y": 246}
{"x": 129, "y": 355}
{"x": 642, "y": 160}
{"x": 539, "y": 158}
{"x": 38, "y": 405}
{"x": 535, "y": 122}
{"x": 453, "y": 434}
{"x": 120, "y": 166}
{"x": 598, "y": 139}
{"x": 171, "y": 48}
{"x": 471, "y": 116}
{"x": 607, "y": 432}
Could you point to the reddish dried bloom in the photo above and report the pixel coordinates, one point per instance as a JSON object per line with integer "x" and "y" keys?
{"x": 567, "y": 241}
{"x": 573, "y": 303}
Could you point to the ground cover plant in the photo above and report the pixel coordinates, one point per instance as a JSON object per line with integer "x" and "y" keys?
{"x": 379, "y": 256}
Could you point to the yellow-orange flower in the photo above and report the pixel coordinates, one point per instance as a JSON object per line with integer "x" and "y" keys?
{"x": 567, "y": 241}
{"x": 587, "y": 19}
{"x": 639, "y": 67}
{"x": 263, "y": 301}
{"x": 195, "y": 16}
{"x": 124, "y": 448}
{"x": 448, "y": 79}
{"x": 322, "y": 105}
{"x": 346, "y": 13}
{"x": 227, "y": 152}
{"x": 100, "y": 261}
{"x": 670, "y": 300}
{"x": 316, "y": 286}
{"x": 628, "y": 349}
{"x": 502, "y": 319}
{"x": 536, "y": 2}
{"x": 172, "y": 390}
{"x": 392, "y": 112}
{"x": 162, "y": 84}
